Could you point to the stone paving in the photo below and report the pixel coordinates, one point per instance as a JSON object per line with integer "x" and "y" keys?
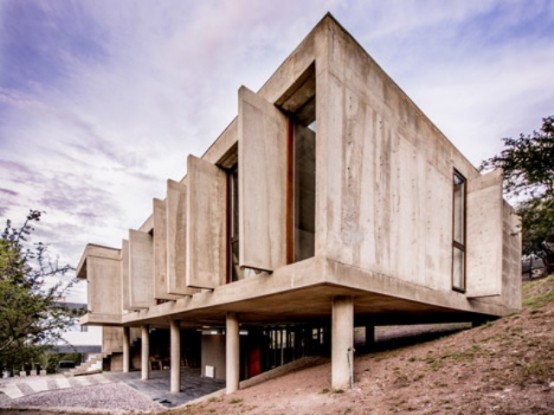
{"x": 193, "y": 386}
{"x": 19, "y": 387}
{"x": 156, "y": 388}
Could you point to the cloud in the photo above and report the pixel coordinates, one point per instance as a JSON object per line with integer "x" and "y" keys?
{"x": 8, "y": 192}
{"x": 100, "y": 102}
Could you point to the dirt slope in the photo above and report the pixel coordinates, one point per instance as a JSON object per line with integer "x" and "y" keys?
{"x": 504, "y": 367}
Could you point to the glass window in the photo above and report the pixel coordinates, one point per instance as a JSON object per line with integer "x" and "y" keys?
{"x": 458, "y": 269}
{"x": 304, "y": 145}
{"x": 458, "y": 232}
{"x": 235, "y": 273}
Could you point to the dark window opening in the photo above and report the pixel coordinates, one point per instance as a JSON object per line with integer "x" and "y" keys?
{"x": 299, "y": 103}
{"x": 235, "y": 273}
{"x": 304, "y": 168}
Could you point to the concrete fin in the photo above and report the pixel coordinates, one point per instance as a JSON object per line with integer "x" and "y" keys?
{"x": 262, "y": 182}
{"x": 125, "y": 281}
{"x": 176, "y": 227}
{"x": 206, "y": 224}
{"x": 160, "y": 251}
{"x": 141, "y": 269}
{"x": 484, "y": 235}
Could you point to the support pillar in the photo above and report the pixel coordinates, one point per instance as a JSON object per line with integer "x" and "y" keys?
{"x": 126, "y": 348}
{"x": 175, "y": 376}
{"x": 342, "y": 343}
{"x": 232, "y": 356}
{"x": 145, "y": 352}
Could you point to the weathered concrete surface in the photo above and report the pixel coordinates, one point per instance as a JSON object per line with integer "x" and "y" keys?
{"x": 232, "y": 355}
{"x": 342, "y": 342}
{"x": 176, "y": 234}
{"x": 159, "y": 215}
{"x": 141, "y": 270}
{"x": 511, "y": 257}
{"x": 125, "y": 278}
{"x": 175, "y": 355}
{"x": 383, "y": 202}
{"x": 262, "y": 131}
{"x": 383, "y": 209}
{"x": 484, "y": 235}
{"x": 126, "y": 347}
{"x": 101, "y": 267}
{"x": 213, "y": 354}
{"x": 206, "y": 224}
{"x": 145, "y": 352}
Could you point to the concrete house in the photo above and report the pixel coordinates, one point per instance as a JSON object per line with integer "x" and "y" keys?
{"x": 330, "y": 202}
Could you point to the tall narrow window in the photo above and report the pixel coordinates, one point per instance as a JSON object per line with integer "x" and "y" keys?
{"x": 458, "y": 233}
{"x": 234, "y": 273}
{"x": 304, "y": 144}
{"x": 299, "y": 103}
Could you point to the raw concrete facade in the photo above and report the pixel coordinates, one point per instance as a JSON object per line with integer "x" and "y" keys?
{"x": 330, "y": 201}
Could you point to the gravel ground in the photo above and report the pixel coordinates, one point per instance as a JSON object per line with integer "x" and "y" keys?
{"x": 111, "y": 398}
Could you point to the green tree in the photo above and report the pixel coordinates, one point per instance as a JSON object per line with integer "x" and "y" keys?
{"x": 528, "y": 164}
{"x": 31, "y": 314}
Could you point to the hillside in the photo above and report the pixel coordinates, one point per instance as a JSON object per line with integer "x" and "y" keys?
{"x": 503, "y": 367}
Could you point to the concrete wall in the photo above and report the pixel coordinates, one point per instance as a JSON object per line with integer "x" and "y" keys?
{"x": 384, "y": 174}
{"x": 384, "y": 187}
{"x": 116, "y": 362}
{"x": 213, "y": 354}
{"x": 112, "y": 339}
{"x": 103, "y": 275}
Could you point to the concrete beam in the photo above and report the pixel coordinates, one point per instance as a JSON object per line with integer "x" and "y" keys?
{"x": 145, "y": 353}
{"x": 342, "y": 342}
{"x": 175, "y": 376}
{"x": 232, "y": 356}
{"x": 126, "y": 348}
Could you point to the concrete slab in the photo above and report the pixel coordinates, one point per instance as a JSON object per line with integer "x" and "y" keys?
{"x": 63, "y": 383}
{"x": 83, "y": 380}
{"x": 38, "y": 385}
{"x": 11, "y": 390}
{"x": 156, "y": 388}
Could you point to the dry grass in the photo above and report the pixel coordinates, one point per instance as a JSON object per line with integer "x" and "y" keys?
{"x": 503, "y": 367}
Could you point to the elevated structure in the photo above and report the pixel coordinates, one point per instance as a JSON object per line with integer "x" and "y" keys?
{"x": 331, "y": 201}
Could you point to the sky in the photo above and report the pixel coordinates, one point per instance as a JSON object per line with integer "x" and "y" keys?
{"x": 101, "y": 101}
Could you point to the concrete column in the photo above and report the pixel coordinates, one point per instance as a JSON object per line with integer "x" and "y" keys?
{"x": 175, "y": 334}
{"x": 145, "y": 353}
{"x": 369, "y": 335}
{"x": 342, "y": 342}
{"x": 126, "y": 348}
{"x": 232, "y": 356}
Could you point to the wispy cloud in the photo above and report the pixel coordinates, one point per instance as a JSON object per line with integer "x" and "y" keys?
{"x": 101, "y": 101}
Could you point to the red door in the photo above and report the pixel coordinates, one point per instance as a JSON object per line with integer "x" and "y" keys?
{"x": 254, "y": 367}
